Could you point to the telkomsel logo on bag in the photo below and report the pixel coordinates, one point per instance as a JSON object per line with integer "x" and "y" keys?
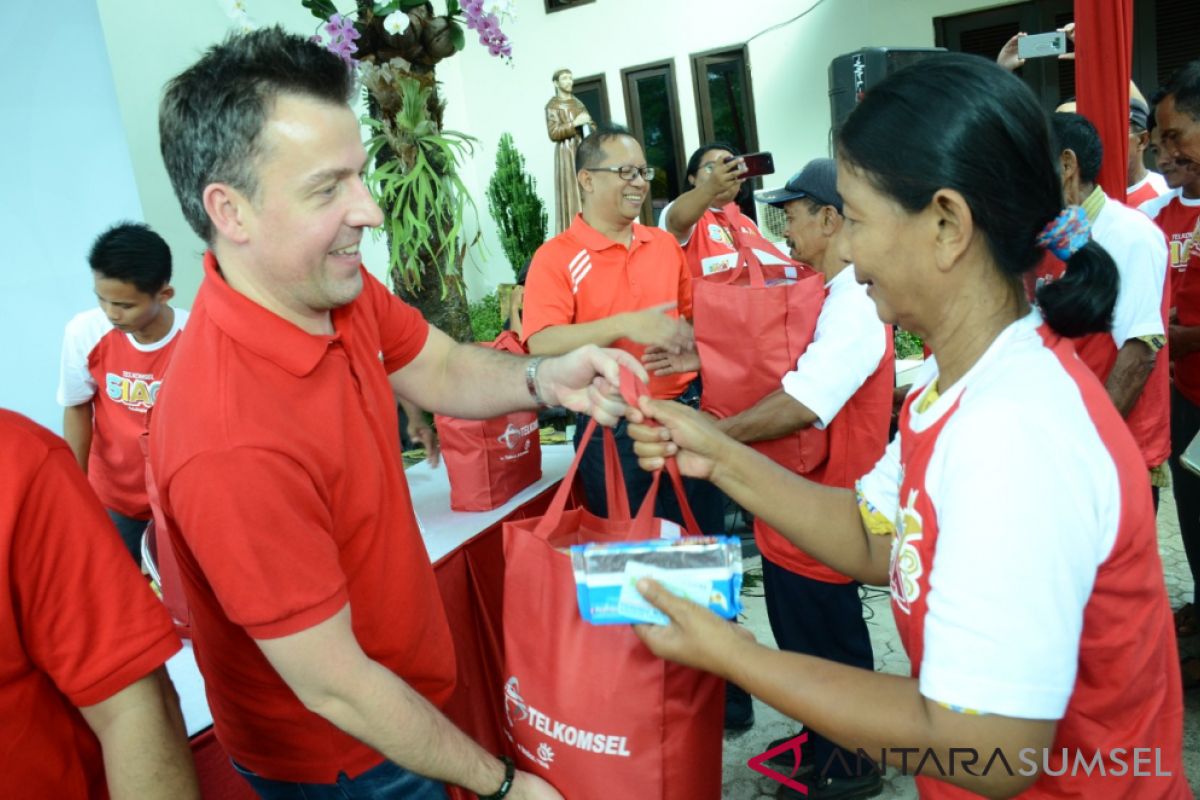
{"x": 512, "y": 435}
{"x": 516, "y": 710}
{"x": 759, "y": 763}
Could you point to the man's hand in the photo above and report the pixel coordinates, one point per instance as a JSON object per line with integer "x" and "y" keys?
{"x": 690, "y": 436}
{"x": 721, "y": 178}
{"x": 1069, "y": 30}
{"x": 584, "y": 118}
{"x": 420, "y": 431}
{"x": 1007, "y": 57}
{"x": 695, "y": 637}
{"x": 527, "y": 786}
{"x": 587, "y": 381}
{"x": 654, "y": 326}
{"x": 659, "y": 362}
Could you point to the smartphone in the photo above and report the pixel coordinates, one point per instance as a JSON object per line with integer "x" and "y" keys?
{"x": 1041, "y": 45}
{"x": 1191, "y": 456}
{"x": 756, "y": 164}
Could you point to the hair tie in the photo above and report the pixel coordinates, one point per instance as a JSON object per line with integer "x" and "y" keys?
{"x": 1067, "y": 233}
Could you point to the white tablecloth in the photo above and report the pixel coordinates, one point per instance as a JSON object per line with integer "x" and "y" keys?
{"x": 442, "y": 529}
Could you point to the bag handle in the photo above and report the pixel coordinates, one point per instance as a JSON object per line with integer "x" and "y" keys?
{"x": 507, "y": 342}
{"x": 632, "y": 387}
{"x": 745, "y": 244}
{"x": 618, "y": 500}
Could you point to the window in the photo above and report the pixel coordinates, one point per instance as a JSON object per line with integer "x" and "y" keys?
{"x": 652, "y": 108}
{"x": 1163, "y": 40}
{"x": 592, "y": 91}
{"x": 560, "y": 5}
{"x": 985, "y": 32}
{"x": 725, "y": 107}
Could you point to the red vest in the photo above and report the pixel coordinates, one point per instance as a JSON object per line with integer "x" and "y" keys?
{"x": 1187, "y": 308}
{"x": 1127, "y": 690}
{"x": 858, "y": 436}
{"x": 715, "y": 236}
{"x": 1150, "y": 418}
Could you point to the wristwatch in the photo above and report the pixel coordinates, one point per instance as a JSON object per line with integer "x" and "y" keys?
{"x": 531, "y": 368}
{"x": 510, "y": 771}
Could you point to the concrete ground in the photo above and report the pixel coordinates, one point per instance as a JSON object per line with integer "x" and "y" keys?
{"x": 741, "y": 783}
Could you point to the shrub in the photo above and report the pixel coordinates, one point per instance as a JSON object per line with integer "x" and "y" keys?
{"x": 485, "y": 318}
{"x": 514, "y": 204}
{"x": 908, "y": 345}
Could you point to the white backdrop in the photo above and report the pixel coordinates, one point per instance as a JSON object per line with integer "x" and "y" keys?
{"x": 67, "y": 175}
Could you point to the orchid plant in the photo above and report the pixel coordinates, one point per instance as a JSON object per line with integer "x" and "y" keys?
{"x": 394, "y": 48}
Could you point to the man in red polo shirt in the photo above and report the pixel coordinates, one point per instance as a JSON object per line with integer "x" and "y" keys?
{"x": 275, "y": 451}
{"x": 608, "y": 280}
{"x": 87, "y": 708}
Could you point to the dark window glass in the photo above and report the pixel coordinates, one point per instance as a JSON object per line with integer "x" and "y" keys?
{"x": 653, "y": 111}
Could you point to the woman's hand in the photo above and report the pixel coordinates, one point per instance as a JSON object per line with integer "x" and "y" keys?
{"x": 696, "y": 637}
{"x": 689, "y": 435}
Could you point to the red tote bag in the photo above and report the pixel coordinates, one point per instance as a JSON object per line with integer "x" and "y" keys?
{"x": 589, "y": 708}
{"x": 489, "y": 460}
{"x": 752, "y": 323}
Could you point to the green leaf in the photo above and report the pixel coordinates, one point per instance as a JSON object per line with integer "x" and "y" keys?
{"x": 321, "y": 9}
{"x": 453, "y": 9}
{"x": 408, "y": 5}
{"x": 458, "y": 37}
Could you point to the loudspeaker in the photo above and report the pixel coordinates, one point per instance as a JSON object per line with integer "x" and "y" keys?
{"x": 853, "y": 74}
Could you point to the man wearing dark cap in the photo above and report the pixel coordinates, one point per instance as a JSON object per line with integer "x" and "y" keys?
{"x": 1143, "y": 185}
{"x": 842, "y": 383}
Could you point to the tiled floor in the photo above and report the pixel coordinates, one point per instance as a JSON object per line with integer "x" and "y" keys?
{"x": 740, "y": 783}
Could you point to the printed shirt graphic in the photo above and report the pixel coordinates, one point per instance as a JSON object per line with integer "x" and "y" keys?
{"x": 1178, "y": 217}
{"x": 710, "y": 245}
{"x": 121, "y": 378}
{"x": 1005, "y": 585}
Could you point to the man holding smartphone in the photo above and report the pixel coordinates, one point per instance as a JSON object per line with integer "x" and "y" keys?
{"x": 706, "y": 220}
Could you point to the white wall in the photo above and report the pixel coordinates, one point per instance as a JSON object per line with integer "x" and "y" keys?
{"x": 151, "y": 40}
{"x": 66, "y": 177}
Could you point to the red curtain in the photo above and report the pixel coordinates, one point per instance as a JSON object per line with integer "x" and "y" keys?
{"x": 1104, "y": 62}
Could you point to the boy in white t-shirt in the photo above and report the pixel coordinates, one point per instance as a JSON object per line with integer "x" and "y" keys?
{"x": 113, "y": 361}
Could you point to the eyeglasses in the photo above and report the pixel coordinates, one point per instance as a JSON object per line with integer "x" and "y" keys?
{"x": 627, "y": 172}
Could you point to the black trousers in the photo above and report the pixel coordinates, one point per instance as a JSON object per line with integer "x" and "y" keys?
{"x": 1185, "y": 484}
{"x": 707, "y": 501}
{"x": 824, "y": 620}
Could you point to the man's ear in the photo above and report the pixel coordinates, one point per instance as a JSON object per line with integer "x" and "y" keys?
{"x": 228, "y": 209}
{"x": 584, "y": 177}
{"x": 955, "y": 227}
{"x": 166, "y": 293}
{"x": 1070, "y": 164}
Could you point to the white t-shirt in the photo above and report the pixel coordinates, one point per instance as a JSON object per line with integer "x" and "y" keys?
{"x": 83, "y": 333}
{"x": 1018, "y": 547}
{"x": 1140, "y": 251}
{"x": 1154, "y": 179}
{"x": 850, "y": 340}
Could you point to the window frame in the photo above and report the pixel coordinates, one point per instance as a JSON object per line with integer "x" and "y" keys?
{"x": 569, "y": 5}
{"x": 634, "y": 117}
{"x": 600, "y": 81}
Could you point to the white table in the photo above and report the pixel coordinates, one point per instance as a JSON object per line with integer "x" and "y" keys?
{"x": 442, "y": 529}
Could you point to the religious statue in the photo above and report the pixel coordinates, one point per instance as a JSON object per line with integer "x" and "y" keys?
{"x": 565, "y": 118}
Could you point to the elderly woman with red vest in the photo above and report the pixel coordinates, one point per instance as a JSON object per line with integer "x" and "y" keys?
{"x": 1033, "y": 612}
